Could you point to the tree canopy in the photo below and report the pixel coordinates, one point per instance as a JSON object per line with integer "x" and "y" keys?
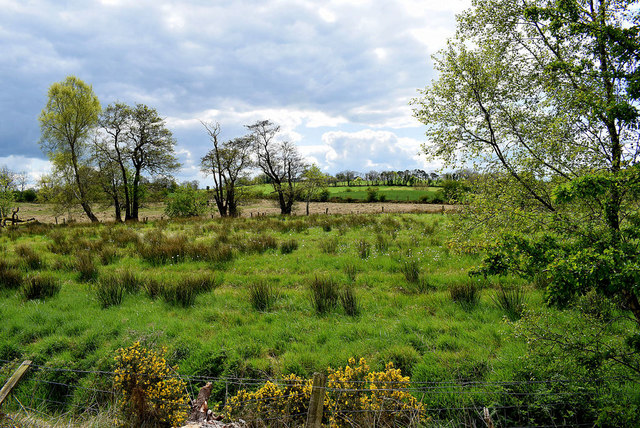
{"x": 543, "y": 96}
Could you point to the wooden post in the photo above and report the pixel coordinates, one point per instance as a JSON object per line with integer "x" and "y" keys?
{"x": 13, "y": 380}
{"x": 316, "y": 404}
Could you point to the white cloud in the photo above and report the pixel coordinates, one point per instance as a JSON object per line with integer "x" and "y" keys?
{"x": 34, "y": 168}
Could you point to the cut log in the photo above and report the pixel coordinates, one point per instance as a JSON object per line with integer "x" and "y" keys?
{"x": 199, "y": 410}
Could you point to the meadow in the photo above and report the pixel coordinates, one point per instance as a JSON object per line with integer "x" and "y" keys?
{"x": 343, "y": 193}
{"x": 259, "y": 298}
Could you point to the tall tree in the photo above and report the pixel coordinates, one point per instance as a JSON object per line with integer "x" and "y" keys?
{"x": 543, "y": 94}
{"x": 112, "y": 153}
{"x": 150, "y": 148}
{"x": 66, "y": 122}
{"x": 279, "y": 161}
{"x": 226, "y": 162}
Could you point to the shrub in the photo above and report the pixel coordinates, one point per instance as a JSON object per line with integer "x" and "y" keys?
{"x": 40, "y": 286}
{"x": 372, "y": 194}
{"x": 511, "y": 300}
{"x": 349, "y": 302}
{"x": 466, "y": 294}
{"x": 29, "y": 257}
{"x": 285, "y": 404}
{"x": 10, "y": 276}
{"x": 86, "y": 267}
{"x": 364, "y": 248}
{"x": 382, "y": 198}
{"x": 185, "y": 202}
{"x": 324, "y": 294}
{"x": 289, "y": 246}
{"x": 262, "y": 295}
{"x": 150, "y": 392}
{"x": 109, "y": 291}
{"x": 323, "y": 195}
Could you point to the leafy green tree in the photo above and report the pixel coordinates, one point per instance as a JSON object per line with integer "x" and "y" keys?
{"x": 313, "y": 181}
{"x": 7, "y": 188}
{"x": 66, "y": 124}
{"x": 185, "y": 202}
{"x": 226, "y": 163}
{"x": 543, "y": 95}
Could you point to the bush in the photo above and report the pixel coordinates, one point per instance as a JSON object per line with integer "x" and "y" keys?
{"x": 349, "y": 302}
{"x": 40, "y": 286}
{"x": 109, "y": 291}
{"x": 372, "y": 194}
{"x": 323, "y": 195}
{"x": 289, "y": 246}
{"x": 86, "y": 267}
{"x": 355, "y": 396}
{"x": 324, "y": 294}
{"x": 466, "y": 294}
{"x": 150, "y": 392}
{"x": 262, "y": 295}
{"x": 186, "y": 202}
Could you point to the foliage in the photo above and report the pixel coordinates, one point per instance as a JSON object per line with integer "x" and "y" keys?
{"x": 372, "y": 194}
{"x": 544, "y": 95}
{"x": 314, "y": 182}
{"x": 7, "y": 188}
{"x": 66, "y": 122}
{"x": 150, "y": 392}
{"x": 185, "y": 202}
{"x": 356, "y": 396}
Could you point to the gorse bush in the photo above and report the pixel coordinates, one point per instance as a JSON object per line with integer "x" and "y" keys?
{"x": 109, "y": 291}
{"x": 262, "y": 295}
{"x": 355, "y": 397}
{"x": 150, "y": 392}
{"x": 40, "y": 286}
{"x": 324, "y": 294}
{"x": 86, "y": 267}
{"x": 466, "y": 294}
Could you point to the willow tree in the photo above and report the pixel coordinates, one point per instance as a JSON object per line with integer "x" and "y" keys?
{"x": 543, "y": 95}
{"x": 66, "y": 123}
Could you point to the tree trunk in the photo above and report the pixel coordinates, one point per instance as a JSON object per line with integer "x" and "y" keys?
{"x": 83, "y": 197}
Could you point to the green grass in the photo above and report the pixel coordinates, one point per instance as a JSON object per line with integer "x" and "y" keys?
{"x": 359, "y": 193}
{"x": 425, "y": 333}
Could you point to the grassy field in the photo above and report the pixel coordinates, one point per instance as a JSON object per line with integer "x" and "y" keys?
{"x": 190, "y": 286}
{"x": 359, "y": 193}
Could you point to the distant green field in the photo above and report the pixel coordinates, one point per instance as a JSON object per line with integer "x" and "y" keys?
{"x": 359, "y": 193}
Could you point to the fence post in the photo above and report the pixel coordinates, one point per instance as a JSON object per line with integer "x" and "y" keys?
{"x": 316, "y": 404}
{"x": 13, "y": 380}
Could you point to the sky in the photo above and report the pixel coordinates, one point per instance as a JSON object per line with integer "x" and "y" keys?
{"x": 336, "y": 75}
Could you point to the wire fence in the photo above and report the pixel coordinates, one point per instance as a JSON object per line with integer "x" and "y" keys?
{"x": 56, "y": 393}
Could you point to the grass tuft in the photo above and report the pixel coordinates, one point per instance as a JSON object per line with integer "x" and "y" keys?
{"x": 86, "y": 267}
{"x": 324, "y": 294}
{"x": 262, "y": 295}
{"x": 467, "y": 294}
{"x": 349, "y": 301}
{"x": 29, "y": 257}
{"x": 511, "y": 300}
{"x": 40, "y": 286}
{"x": 109, "y": 291}
{"x": 287, "y": 247}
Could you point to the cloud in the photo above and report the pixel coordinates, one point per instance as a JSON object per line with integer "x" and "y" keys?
{"x": 35, "y": 168}
{"x": 371, "y": 149}
{"x": 312, "y": 68}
